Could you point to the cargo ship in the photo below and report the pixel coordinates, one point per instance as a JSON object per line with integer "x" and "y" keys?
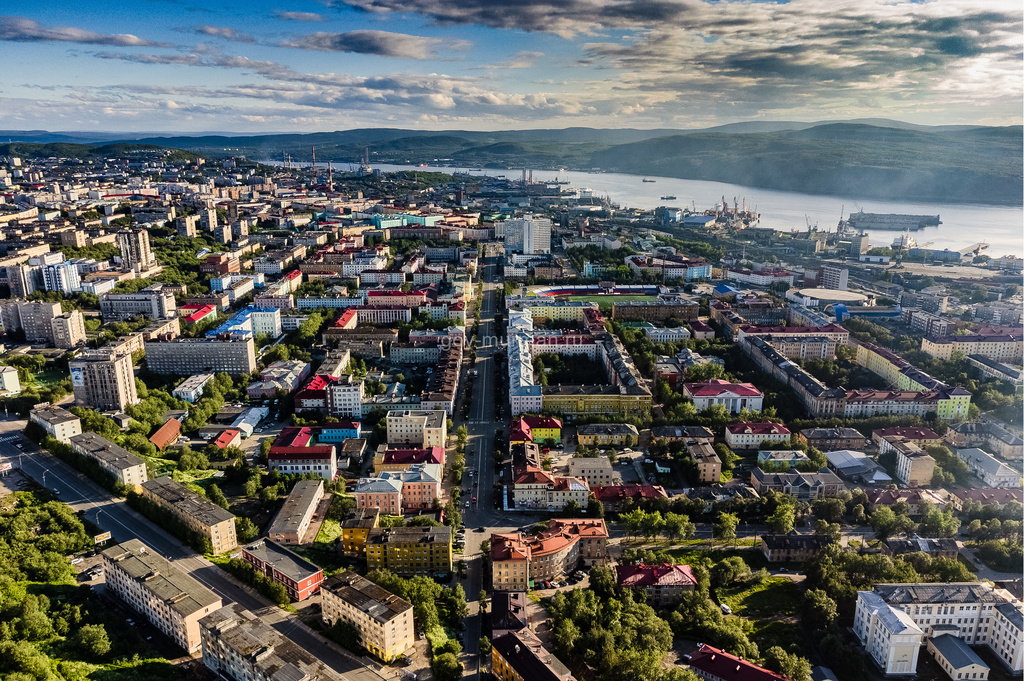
{"x": 668, "y": 198}
{"x": 894, "y": 221}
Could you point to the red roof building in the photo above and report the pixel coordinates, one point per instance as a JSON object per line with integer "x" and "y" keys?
{"x": 197, "y": 313}
{"x": 294, "y": 437}
{"x": 615, "y": 497}
{"x": 230, "y": 437}
{"x": 400, "y": 459}
{"x": 713, "y": 664}
{"x": 746, "y": 435}
{"x": 321, "y": 460}
{"x": 734, "y": 396}
{"x": 166, "y": 434}
{"x": 314, "y": 394}
{"x": 664, "y": 584}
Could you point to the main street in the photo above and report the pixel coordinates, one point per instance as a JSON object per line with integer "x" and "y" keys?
{"x": 123, "y": 522}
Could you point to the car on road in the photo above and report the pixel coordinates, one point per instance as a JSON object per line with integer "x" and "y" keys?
{"x": 56, "y": 491}
{"x": 480, "y": 529}
{"x": 546, "y": 584}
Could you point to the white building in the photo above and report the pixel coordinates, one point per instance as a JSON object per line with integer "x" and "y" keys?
{"x": 60, "y": 424}
{"x": 191, "y": 389}
{"x": 988, "y": 469}
{"x": 63, "y": 277}
{"x": 973, "y": 611}
{"x": 10, "y": 383}
{"x": 735, "y": 396}
{"x": 888, "y": 634}
{"x": 528, "y": 235}
{"x": 420, "y": 428}
{"x": 667, "y": 335}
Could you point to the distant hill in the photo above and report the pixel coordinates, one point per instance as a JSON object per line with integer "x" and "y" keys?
{"x": 867, "y": 158}
{"x": 90, "y": 151}
{"x": 974, "y": 165}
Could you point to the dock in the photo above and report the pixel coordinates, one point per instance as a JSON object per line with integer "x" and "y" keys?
{"x": 976, "y": 249}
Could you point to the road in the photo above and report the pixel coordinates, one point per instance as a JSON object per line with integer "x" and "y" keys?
{"x": 115, "y": 516}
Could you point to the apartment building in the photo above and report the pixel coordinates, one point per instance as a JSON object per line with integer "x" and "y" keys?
{"x": 421, "y": 428}
{"x": 714, "y": 664}
{"x": 355, "y": 531}
{"x": 616, "y": 497}
{"x": 201, "y": 355}
{"x": 537, "y": 489}
{"x": 988, "y": 469}
{"x": 520, "y": 561}
{"x": 126, "y": 468}
{"x": 1007, "y": 638}
{"x": 913, "y": 466}
{"x": 154, "y": 302}
{"x": 292, "y": 522}
{"x": 535, "y": 429}
{"x": 804, "y": 486}
{"x": 1004, "y": 348}
{"x": 238, "y": 645}
{"x": 384, "y": 621}
{"x": 734, "y": 396}
{"x": 194, "y": 511}
{"x": 300, "y": 577}
{"x": 665, "y": 584}
{"x": 660, "y": 311}
{"x": 893, "y": 618}
{"x": 401, "y": 459}
{"x": 103, "y": 380}
{"x": 60, "y": 424}
{"x": 171, "y": 600}
{"x": 793, "y": 547}
{"x": 529, "y": 235}
{"x": 608, "y": 434}
{"x": 44, "y": 322}
{"x": 421, "y": 485}
{"x": 922, "y": 437}
{"x": 409, "y": 551}
{"x": 320, "y": 459}
{"x": 744, "y": 435}
{"x": 709, "y": 466}
{"x": 521, "y": 656}
{"x": 381, "y": 493}
{"x": 10, "y": 384}
{"x": 136, "y": 253}
{"x": 597, "y": 471}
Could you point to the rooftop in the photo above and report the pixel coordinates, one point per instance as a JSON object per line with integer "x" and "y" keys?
{"x": 176, "y": 589}
{"x": 186, "y": 502}
{"x": 53, "y": 415}
{"x": 655, "y": 575}
{"x": 289, "y": 564}
{"x": 956, "y": 652}
{"x": 303, "y": 495}
{"x": 105, "y": 451}
{"x": 378, "y": 603}
{"x": 719, "y": 664}
{"x": 525, "y": 653}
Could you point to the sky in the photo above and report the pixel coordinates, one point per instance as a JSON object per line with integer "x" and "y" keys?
{"x": 248, "y": 66}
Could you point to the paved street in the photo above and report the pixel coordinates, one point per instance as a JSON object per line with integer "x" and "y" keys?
{"x": 81, "y": 494}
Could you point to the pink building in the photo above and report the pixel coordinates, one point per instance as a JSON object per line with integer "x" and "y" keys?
{"x": 381, "y": 493}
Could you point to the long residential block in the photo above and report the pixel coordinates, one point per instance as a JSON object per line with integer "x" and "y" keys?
{"x": 186, "y": 356}
{"x": 170, "y": 599}
{"x": 125, "y": 467}
{"x": 197, "y": 513}
{"x": 292, "y": 521}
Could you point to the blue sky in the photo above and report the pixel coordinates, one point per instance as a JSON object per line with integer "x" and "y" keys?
{"x": 265, "y": 66}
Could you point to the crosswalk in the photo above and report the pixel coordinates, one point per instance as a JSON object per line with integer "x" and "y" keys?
{"x": 10, "y": 438}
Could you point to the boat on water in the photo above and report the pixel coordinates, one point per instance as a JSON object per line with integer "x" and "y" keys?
{"x": 647, "y": 179}
{"x": 668, "y": 198}
{"x": 903, "y": 241}
{"x": 862, "y": 220}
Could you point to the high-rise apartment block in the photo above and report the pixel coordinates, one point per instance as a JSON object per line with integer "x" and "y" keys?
{"x": 103, "y": 380}
{"x": 832, "y": 277}
{"x": 62, "y": 277}
{"x": 529, "y": 235}
{"x": 24, "y": 280}
{"x": 43, "y": 322}
{"x": 184, "y": 356}
{"x": 136, "y": 254}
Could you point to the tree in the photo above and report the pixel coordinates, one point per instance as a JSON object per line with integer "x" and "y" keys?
{"x": 92, "y": 640}
{"x": 831, "y": 509}
{"x": 678, "y": 525}
{"x": 566, "y": 635}
{"x": 791, "y": 666}
{"x": 782, "y": 520}
{"x": 886, "y": 523}
{"x": 652, "y": 524}
{"x": 633, "y": 522}
{"x": 728, "y": 570}
{"x": 484, "y": 647}
{"x": 602, "y": 581}
{"x": 725, "y": 526}
{"x": 215, "y": 495}
{"x": 252, "y": 486}
{"x": 245, "y": 530}
{"x": 446, "y": 667}
{"x": 820, "y": 611}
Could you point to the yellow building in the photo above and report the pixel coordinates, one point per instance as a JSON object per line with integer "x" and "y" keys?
{"x": 999, "y": 348}
{"x": 410, "y": 551}
{"x": 613, "y": 434}
{"x": 596, "y": 399}
{"x": 355, "y": 530}
{"x": 384, "y": 621}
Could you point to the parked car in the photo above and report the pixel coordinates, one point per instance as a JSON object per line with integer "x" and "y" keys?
{"x": 726, "y": 610}
{"x": 76, "y": 561}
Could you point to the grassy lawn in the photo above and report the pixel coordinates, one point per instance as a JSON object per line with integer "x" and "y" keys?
{"x": 768, "y": 633}
{"x": 605, "y": 302}
{"x": 49, "y": 376}
{"x": 774, "y": 596}
{"x": 329, "y": 531}
{"x": 755, "y": 559}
